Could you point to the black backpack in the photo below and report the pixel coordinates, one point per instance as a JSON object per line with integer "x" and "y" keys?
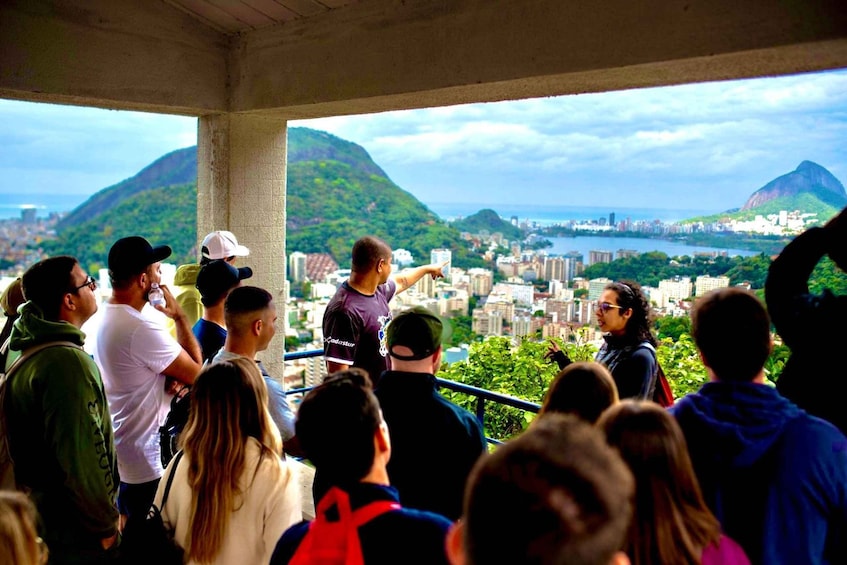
{"x": 170, "y": 431}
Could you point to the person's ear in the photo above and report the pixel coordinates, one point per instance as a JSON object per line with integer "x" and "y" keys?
{"x": 436, "y": 360}
{"x": 627, "y": 314}
{"x": 383, "y": 439}
{"x": 454, "y": 543}
{"x": 257, "y": 326}
{"x": 68, "y": 301}
{"x": 141, "y": 280}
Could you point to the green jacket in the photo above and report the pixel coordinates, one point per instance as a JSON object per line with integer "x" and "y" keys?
{"x": 60, "y": 433}
{"x": 186, "y": 293}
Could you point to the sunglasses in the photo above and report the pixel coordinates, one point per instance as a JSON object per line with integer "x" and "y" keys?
{"x": 606, "y": 306}
{"x": 90, "y": 282}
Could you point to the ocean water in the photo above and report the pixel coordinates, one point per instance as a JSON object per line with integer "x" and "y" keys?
{"x": 12, "y": 204}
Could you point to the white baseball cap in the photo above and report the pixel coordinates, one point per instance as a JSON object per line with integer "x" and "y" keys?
{"x": 222, "y": 244}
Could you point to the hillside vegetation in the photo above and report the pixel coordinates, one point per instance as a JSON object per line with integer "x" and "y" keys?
{"x": 488, "y": 220}
{"x": 336, "y": 194}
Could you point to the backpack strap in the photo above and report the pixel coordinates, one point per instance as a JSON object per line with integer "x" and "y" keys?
{"x": 30, "y": 351}
{"x": 177, "y": 457}
{"x": 337, "y": 542}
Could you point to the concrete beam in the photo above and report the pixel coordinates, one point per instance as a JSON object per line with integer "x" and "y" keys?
{"x": 127, "y": 54}
{"x": 391, "y": 54}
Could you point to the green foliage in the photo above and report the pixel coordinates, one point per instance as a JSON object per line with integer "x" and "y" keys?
{"x": 673, "y": 326}
{"x": 650, "y": 268}
{"x": 827, "y": 275}
{"x": 776, "y": 362}
{"x": 336, "y": 194}
{"x": 497, "y": 365}
{"x": 165, "y": 215}
{"x": 681, "y": 363}
{"x": 462, "y": 331}
{"x": 488, "y": 220}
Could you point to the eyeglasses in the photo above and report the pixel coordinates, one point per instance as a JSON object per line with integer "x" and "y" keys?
{"x": 90, "y": 282}
{"x": 606, "y": 306}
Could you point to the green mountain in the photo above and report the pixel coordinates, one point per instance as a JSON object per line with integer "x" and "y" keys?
{"x": 488, "y": 220}
{"x": 336, "y": 194}
{"x": 810, "y": 188}
{"x": 807, "y": 179}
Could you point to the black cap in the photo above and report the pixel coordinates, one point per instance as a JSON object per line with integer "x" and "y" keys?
{"x": 217, "y": 277}
{"x": 132, "y": 255}
{"x": 418, "y": 329}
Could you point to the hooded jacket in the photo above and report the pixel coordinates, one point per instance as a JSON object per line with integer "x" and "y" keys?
{"x": 774, "y": 476}
{"x": 186, "y": 294}
{"x": 60, "y": 433}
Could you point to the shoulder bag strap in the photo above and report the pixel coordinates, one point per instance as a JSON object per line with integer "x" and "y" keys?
{"x": 171, "y": 478}
{"x": 30, "y": 351}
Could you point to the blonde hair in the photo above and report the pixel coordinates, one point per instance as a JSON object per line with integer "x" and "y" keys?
{"x": 229, "y": 406}
{"x": 19, "y": 541}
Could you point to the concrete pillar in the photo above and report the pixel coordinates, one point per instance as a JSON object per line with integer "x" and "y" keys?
{"x": 241, "y": 175}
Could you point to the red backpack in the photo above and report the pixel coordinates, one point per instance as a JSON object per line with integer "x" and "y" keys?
{"x": 337, "y": 542}
{"x": 662, "y": 395}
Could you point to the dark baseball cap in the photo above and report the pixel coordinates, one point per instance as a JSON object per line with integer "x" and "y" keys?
{"x": 217, "y": 277}
{"x": 416, "y": 328}
{"x": 131, "y": 255}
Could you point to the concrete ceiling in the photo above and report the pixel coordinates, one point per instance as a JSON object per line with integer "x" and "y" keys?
{"x": 237, "y": 16}
{"x": 312, "y": 58}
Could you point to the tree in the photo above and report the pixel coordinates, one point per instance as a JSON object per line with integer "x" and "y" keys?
{"x": 673, "y": 326}
{"x": 496, "y": 364}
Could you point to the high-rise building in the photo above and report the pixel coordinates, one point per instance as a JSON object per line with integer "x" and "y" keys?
{"x": 297, "y": 267}
{"x": 522, "y": 326}
{"x": 705, "y": 283}
{"x": 426, "y": 286}
{"x": 612, "y": 219}
{"x": 599, "y": 256}
{"x": 678, "y": 288}
{"x": 29, "y": 215}
{"x": 481, "y": 281}
{"x": 624, "y": 253}
{"x": 596, "y": 286}
{"x": 438, "y": 256}
{"x": 486, "y": 323}
{"x": 554, "y": 268}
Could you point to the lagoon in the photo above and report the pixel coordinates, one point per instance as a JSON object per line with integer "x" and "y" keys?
{"x": 587, "y": 243}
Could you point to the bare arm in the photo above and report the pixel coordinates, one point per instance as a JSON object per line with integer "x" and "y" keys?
{"x": 187, "y": 365}
{"x": 332, "y": 367}
{"x": 409, "y": 277}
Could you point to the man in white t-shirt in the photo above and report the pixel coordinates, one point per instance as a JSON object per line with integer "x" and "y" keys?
{"x": 139, "y": 360}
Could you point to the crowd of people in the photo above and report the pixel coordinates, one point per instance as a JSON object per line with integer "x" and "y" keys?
{"x": 735, "y": 473}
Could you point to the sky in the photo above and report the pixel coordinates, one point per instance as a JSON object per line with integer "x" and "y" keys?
{"x": 702, "y": 146}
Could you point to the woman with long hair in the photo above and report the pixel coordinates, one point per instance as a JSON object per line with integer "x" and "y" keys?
{"x": 232, "y": 495}
{"x": 629, "y": 349}
{"x": 671, "y": 523}
{"x": 582, "y": 389}
{"x": 19, "y": 541}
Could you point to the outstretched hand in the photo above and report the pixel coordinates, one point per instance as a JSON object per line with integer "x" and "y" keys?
{"x": 438, "y": 270}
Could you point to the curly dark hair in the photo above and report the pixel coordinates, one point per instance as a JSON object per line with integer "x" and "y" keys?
{"x": 639, "y": 324}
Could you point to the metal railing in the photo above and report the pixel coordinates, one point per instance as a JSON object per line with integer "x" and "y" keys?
{"x": 482, "y": 395}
